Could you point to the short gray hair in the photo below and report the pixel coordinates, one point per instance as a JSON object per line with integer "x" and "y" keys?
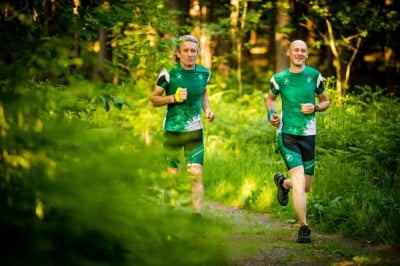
{"x": 182, "y": 39}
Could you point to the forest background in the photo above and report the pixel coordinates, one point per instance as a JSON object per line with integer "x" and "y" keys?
{"x": 81, "y": 151}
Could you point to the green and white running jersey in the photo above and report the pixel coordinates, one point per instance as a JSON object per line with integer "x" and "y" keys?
{"x": 295, "y": 89}
{"x": 185, "y": 116}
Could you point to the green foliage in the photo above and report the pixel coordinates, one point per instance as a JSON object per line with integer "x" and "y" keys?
{"x": 62, "y": 45}
{"x": 358, "y": 164}
{"x": 82, "y": 175}
{"x": 356, "y": 183}
{"x": 344, "y": 16}
{"x": 83, "y": 185}
{"x": 75, "y": 189}
{"x": 240, "y": 149}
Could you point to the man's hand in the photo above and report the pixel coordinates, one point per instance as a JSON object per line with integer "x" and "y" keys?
{"x": 307, "y": 108}
{"x": 275, "y": 120}
{"x": 210, "y": 115}
{"x": 180, "y": 95}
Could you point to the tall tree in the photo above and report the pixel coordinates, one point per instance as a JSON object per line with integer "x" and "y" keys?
{"x": 282, "y": 34}
{"x": 343, "y": 29}
{"x": 238, "y": 22}
{"x": 390, "y": 55}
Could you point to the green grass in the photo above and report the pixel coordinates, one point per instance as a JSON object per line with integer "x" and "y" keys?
{"x": 356, "y": 176}
{"x": 252, "y": 238}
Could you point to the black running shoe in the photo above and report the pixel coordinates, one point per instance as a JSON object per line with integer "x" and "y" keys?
{"x": 304, "y": 235}
{"x": 282, "y": 193}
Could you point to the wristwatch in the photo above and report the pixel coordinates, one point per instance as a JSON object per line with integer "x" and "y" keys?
{"x": 316, "y": 108}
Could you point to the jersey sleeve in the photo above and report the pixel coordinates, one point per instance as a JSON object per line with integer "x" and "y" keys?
{"x": 320, "y": 86}
{"x": 163, "y": 79}
{"x": 274, "y": 86}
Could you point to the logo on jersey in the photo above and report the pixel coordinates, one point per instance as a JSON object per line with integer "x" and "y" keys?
{"x": 288, "y": 158}
{"x": 309, "y": 79}
{"x": 286, "y": 81}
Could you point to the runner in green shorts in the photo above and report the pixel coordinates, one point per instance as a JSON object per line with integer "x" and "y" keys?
{"x": 192, "y": 144}
{"x": 183, "y": 89}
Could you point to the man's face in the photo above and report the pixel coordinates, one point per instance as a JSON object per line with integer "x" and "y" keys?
{"x": 187, "y": 54}
{"x": 297, "y": 53}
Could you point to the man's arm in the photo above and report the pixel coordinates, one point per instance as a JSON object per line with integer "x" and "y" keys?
{"x": 323, "y": 102}
{"x": 206, "y": 107}
{"x": 157, "y": 99}
{"x": 270, "y": 103}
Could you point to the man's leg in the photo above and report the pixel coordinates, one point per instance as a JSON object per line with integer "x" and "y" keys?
{"x": 172, "y": 161}
{"x": 301, "y": 184}
{"x": 195, "y": 171}
{"x": 298, "y": 183}
{"x": 194, "y": 153}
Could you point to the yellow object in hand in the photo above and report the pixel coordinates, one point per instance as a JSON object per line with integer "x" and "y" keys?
{"x": 177, "y": 96}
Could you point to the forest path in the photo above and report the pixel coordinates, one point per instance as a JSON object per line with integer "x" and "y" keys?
{"x": 257, "y": 240}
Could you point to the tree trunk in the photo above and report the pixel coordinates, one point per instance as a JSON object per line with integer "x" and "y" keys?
{"x": 239, "y": 46}
{"x": 104, "y": 55}
{"x": 235, "y": 7}
{"x": 281, "y": 38}
{"x": 199, "y": 15}
{"x": 75, "y": 10}
{"x": 390, "y": 54}
{"x": 352, "y": 58}
{"x": 205, "y": 40}
{"x": 181, "y": 6}
{"x": 330, "y": 39}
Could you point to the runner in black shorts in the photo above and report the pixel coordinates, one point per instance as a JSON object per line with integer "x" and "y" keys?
{"x": 183, "y": 89}
{"x": 298, "y": 87}
{"x": 297, "y": 151}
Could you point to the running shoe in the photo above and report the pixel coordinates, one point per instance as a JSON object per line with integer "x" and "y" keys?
{"x": 282, "y": 193}
{"x": 304, "y": 235}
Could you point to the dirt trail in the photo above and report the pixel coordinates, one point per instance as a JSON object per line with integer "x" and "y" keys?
{"x": 257, "y": 240}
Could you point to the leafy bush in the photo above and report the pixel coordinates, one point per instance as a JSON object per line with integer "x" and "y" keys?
{"x": 75, "y": 189}
{"x": 358, "y": 162}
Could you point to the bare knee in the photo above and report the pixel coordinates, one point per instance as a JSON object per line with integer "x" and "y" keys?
{"x": 297, "y": 178}
{"x": 195, "y": 170}
{"x": 173, "y": 171}
{"x": 196, "y": 178}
